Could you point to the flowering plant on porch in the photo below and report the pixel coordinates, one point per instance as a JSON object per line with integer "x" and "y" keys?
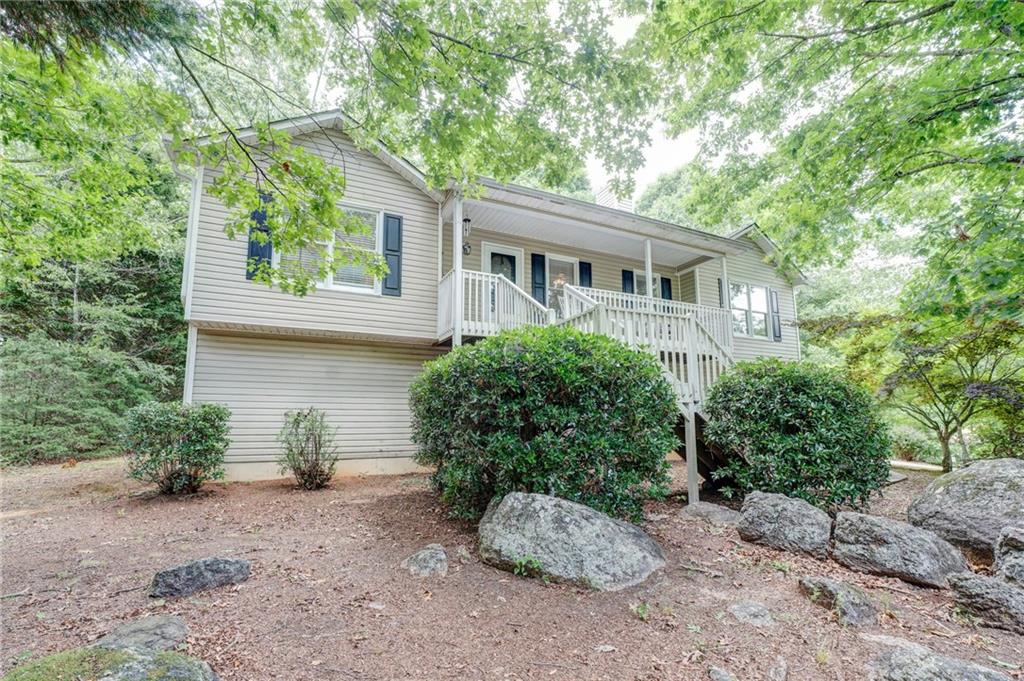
{"x": 546, "y": 410}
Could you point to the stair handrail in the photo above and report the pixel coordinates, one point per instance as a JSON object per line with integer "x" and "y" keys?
{"x": 726, "y": 354}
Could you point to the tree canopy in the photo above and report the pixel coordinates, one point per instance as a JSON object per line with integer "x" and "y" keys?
{"x": 488, "y": 87}
{"x": 875, "y": 115}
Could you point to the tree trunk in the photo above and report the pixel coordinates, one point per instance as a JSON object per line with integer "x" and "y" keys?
{"x": 947, "y": 455}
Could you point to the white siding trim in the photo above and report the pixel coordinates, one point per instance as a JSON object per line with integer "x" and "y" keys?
{"x": 190, "y": 365}
{"x": 188, "y": 274}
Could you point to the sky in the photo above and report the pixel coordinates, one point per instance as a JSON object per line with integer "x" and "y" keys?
{"x": 663, "y": 154}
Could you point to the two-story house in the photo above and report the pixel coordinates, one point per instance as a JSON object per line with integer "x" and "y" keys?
{"x": 460, "y": 268}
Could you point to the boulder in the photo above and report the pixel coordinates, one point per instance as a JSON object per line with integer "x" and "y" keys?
{"x": 713, "y": 513}
{"x": 126, "y": 664}
{"x": 971, "y": 506}
{"x": 996, "y": 602}
{"x": 908, "y": 661}
{"x": 719, "y": 674}
{"x": 753, "y": 613}
{"x": 1009, "y": 563}
{"x": 199, "y": 575}
{"x": 157, "y": 632}
{"x": 851, "y": 605}
{"x": 882, "y": 546}
{"x": 429, "y": 561}
{"x": 781, "y": 522}
{"x": 565, "y": 541}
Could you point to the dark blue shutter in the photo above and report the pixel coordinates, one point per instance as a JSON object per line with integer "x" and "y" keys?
{"x": 721, "y": 293}
{"x": 586, "y": 281}
{"x": 392, "y": 285}
{"x": 538, "y": 278}
{"x": 260, "y": 249}
{"x": 666, "y": 288}
{"x": 773, "y": 296}
{"x": 627, "y": 281}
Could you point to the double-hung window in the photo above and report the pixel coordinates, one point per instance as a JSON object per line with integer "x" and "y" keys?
{"x": 749, "y": 309}
{"x": 352, "y": 253}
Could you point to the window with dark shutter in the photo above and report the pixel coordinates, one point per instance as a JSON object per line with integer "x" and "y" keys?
{"x": 586, "y": 278}
{"x": 627, "y": 281}
{"x": 666, "y": 288}
{"x": 538, "y": 278}
{"x": 392, "y": 284}
{"x": 261, "y": 251}
{"x": 773, "y": 296}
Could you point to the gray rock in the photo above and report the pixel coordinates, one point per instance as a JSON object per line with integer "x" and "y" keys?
{"x": 780, "y": 670}
{"x": 882, "y": 546}
{"x": 157, "y": 632}
{"x": 752, "y": 613}
{"x": 895, "y": 477}
{"x": 1009, "y": 563}
{"x": 996, "y": 602}
{"x": 781, "y": 522}
{"x": 852, "y": 606}
{"x": 567, "y": 542}
{"x": 719, "y": 674}
{"x": 198, "y": 575}
{"x": 908, "y": 661}
{"x": 128, "y": 664}
{"x": 713, "y": 513}
{"x": 971, "y": 506}
{"x": 429, "y": 561}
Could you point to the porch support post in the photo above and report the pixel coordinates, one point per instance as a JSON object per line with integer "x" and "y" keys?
{"x": 648, "y": 268}
{"x": 692, "y": 489}
{"x": 725, "y": 286}
{"x": 457, "y": 285}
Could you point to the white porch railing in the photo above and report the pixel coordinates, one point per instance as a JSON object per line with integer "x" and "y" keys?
{"x": 692, "y": 342}
{"x": 716, "y": 321}
{"x": 490, "y": 304}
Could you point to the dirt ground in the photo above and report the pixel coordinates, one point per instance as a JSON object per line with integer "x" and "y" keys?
{"x": 328, "y": 599}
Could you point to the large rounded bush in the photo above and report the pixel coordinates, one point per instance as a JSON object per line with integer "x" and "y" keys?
{"x": 545, "y": 410}
{"x": 798, "y": 430}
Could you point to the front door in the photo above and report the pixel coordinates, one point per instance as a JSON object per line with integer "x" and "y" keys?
{"x": 503, "y": 260}
{"x": 561, "y": 271}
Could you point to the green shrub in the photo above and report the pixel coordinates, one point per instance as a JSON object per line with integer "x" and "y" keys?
{"x": 60, "y": 400}
{"x": 176, "y": 446}
{"x": 309, "y": 451}
{"x": 798, "y": 430}
{"x": 913, "y": 444}
{"x": 545, "y": 410}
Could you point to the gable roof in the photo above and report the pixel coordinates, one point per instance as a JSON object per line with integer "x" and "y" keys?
{"x": 754, "y": 232}
{"x": 334, "y": 119}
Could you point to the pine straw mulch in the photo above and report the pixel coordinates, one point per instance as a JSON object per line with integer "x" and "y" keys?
{"x": 328, "y": 599}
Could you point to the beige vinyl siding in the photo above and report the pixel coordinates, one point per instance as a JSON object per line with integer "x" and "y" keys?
{"x": 221, "y": 293}
{"x": 606, "y": 268}
{"x": 687, "y": 287}
{"x": 364, "y": 388}
{"x": 749, "y": 267}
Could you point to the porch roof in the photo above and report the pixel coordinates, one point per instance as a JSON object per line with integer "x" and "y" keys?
{"x": 544, "y": 216}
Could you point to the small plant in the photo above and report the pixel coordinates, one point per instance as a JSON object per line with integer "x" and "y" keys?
{"x": 781, "y": 566}
{"x": 309, "y": 452}
{"x": 641, "y": 610}
{"x": 527, "y": 566}
{"x": 176, "y": 446}
{"x": 822, "y": 656}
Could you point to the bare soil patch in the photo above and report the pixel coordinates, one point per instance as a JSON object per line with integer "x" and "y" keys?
{"x": 328, "y": 599}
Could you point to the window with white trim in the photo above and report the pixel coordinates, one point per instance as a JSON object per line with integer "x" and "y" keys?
{"x": 749, "y": 309}
{"x": 348, "y": 274}
{"x": 640, "y": 283}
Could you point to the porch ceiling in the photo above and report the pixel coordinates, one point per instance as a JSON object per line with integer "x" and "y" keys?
{"x": 574, "y": 233}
